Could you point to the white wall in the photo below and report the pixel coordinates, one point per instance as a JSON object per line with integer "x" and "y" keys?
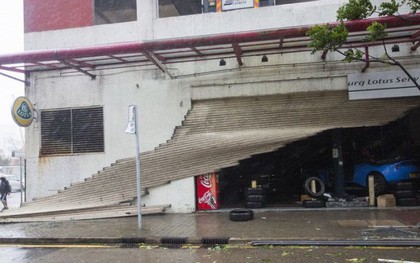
{"x": 180, "y": 194}
{"x": 83, "y": 36}
{"x": 163, "y": 105}
{"x": 148, "y": 27}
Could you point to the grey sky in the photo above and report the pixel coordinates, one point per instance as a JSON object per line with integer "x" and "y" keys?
{"x": 11, "y": 31}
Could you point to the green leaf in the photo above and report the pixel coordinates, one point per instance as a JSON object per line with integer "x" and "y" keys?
{"x": 389, "y": 8}
{"x": 414, "y": 4}
{"x": 325, "y": 38}
{"x": 355, "y": 9}
{"x": 376, "y": 31}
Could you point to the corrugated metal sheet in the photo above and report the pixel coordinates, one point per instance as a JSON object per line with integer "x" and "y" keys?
{"x": 218, "y": 133}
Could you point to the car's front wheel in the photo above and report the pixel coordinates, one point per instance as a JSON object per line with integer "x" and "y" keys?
{"x": 380, "y": 184}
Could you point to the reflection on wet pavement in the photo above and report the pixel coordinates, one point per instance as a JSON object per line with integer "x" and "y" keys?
{"x": 387, "y": 233}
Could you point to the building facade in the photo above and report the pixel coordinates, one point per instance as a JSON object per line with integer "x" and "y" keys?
{"x": 179, "y": 58}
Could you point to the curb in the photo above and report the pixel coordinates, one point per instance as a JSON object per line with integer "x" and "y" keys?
{"x": 211, "y": 241}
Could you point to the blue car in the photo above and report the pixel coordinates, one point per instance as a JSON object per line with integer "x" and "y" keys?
{"x": 386, "y": 173}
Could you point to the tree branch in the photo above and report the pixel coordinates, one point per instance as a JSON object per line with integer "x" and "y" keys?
{"x": 397, "y": 63}
{"x": 375, "y": 59}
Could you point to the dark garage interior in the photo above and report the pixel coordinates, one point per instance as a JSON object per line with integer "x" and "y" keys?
{"x": 282, "y": 174}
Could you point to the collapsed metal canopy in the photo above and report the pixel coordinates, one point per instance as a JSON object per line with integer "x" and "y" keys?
{"x": 400, "y": 29}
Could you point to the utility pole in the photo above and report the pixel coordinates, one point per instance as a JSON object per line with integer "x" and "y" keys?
{"x": 132, "y": 128}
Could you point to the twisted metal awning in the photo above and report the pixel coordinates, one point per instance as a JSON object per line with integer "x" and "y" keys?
{"x": 402, "y": 29}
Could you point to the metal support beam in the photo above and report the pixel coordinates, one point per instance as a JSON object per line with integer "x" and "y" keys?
{"x": 12, "y": 69}
{"x": 117, "y": 58}
{"x": 197, "y": 51}
{"x": 281, "y": 43}
{"x": 415, "y": 34}
{"x": 158, "y": 63}
{"x": 238, "y": 53}
{"x": 14, "y": 78}
{"x": 414, "y": 48}
{"x": 338, "y": 161}
{"x": 78, "y": 69}
{"x": 81, "y": 63}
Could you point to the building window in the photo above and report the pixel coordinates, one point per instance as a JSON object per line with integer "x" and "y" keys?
{"x": 71, "y": 131}
{"x": 168, "y": 8}
{"x": 115, "y": 11}
{"x": 285, "y": 2}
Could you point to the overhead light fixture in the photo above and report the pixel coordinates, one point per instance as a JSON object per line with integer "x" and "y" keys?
{"x": 395, "y": 48}
{"x": 222, "y": 62}
{"x": 264, "y": 59}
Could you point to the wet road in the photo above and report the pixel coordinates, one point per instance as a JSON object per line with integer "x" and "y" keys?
{"x": 202, "y": 255}
{"x": 311, "y": 224}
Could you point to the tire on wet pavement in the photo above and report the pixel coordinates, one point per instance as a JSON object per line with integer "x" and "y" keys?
{"x": 241, "y": 215}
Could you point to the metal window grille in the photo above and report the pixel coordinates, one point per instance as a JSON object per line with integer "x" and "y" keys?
{"x": 72, "y": 131}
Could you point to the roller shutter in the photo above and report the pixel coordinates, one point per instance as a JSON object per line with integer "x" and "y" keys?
{"x": 219, "y": 133}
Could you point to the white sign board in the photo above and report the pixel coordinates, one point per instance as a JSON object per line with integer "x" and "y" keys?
{"x": 389, "y": 84}
{"x": 131, "y": 125}
{"x": 236, "y": 4}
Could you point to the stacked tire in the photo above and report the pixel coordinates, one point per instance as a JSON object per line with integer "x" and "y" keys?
{"x": 254, "y": 198}
{"x": 317, "y": 196}
{"x": 406, "y": 194}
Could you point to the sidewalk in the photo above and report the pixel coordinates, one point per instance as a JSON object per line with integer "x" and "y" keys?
{"x": 311, "y": 226}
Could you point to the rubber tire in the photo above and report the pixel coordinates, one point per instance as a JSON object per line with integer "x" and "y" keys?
{"x": 254, "y": 204}
{"x": 405, "y": 193}
{"x": 255, "y": 198}
{"x": 408, "y": 201}
{"x": 313, "y": 203}
{"x": 379, "y": 180}
{"x": 254, "y": 191}
{"x": 307, "y": 187}
{"x": 241, "y": 215}
{"x": 406, "y": 186}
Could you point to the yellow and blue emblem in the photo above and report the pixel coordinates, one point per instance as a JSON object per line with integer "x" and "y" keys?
{"x": 22, "y": 112}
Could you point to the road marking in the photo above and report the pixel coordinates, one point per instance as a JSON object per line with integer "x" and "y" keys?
{"x": 57, "y": 246}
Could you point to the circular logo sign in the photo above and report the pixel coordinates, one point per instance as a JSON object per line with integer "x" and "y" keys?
{"x": 22, "y": 112}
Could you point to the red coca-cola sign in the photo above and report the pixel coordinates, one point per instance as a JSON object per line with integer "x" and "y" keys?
{"x": 207, "y": 192}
